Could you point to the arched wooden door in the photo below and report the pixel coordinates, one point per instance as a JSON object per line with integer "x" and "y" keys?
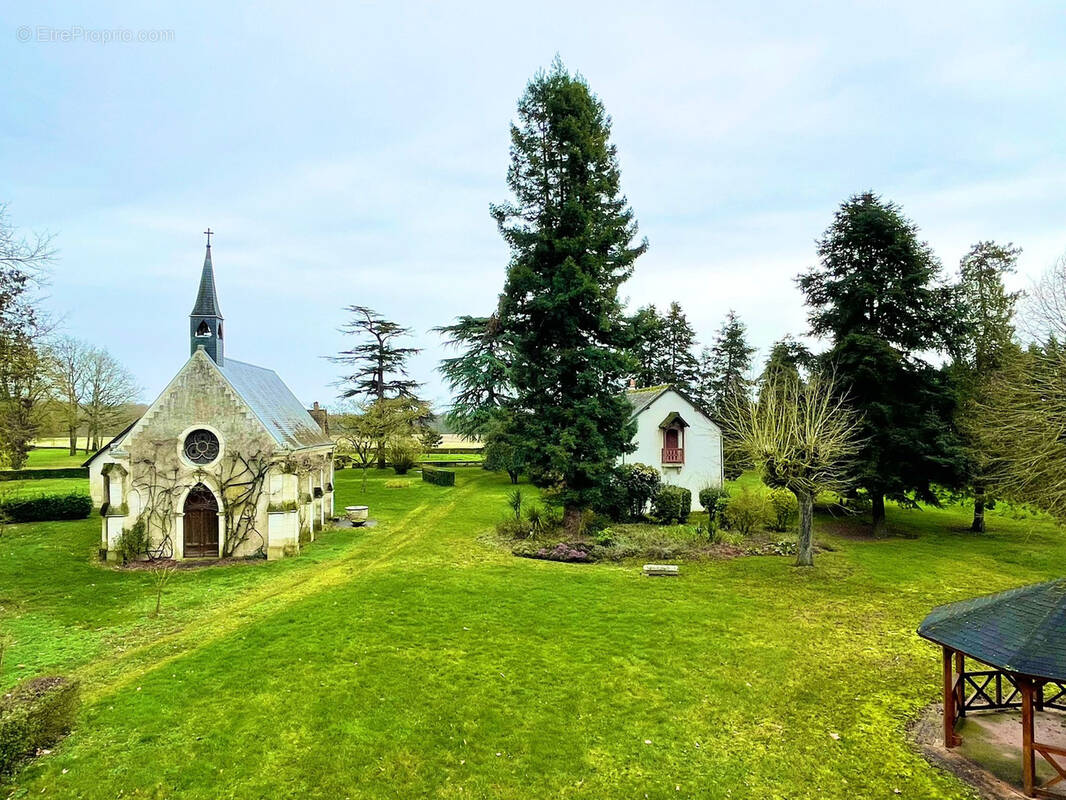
{"x": 200, "y": 523}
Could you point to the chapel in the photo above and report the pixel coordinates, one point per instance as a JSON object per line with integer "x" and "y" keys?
{"x": 226, "y": 462}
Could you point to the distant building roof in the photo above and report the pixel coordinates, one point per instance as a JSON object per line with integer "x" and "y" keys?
{"x": 274, "y": 404}
{"x": 1020, "y": 630}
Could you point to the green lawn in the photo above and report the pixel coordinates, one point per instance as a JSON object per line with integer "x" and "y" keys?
{"x": 413, "y": 660}
{"x": 52, "y": 457}
{"x": 43, "y": 486}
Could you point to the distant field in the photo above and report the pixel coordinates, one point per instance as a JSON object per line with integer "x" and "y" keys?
{"x": 451, "y": 457}
{"x": 53, "y": 458}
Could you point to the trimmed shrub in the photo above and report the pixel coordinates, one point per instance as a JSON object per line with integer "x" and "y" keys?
{"x": 42, "y": 474}
{"x": 33, "y": 716}
{"x": 397, "y": 484}
{"x": 403, "y": 454}
{"x": 438, "y": 477}
{"x": 48, "y": 507}
{"x": 711, "y": 499}
{"x": 341, "y": 461}
{"x": 784, "y": 508}
{"x": 671, "y": 504}
{"x": 746, "y": 511}
{"x": 631, "y": 488}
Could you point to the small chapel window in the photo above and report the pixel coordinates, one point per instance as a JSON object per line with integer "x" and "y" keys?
{"x": 201, "y": 447}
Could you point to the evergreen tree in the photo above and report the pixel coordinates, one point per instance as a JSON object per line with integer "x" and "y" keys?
{"x": 479, "y": 374}
{"x": 877, "y": 294}
{"x": 987, "y": 340}
{"x": 379, "y": 364}
{"x": 703, "y": 387}
{"x": 646, "y": 329}
{"x": 571, "y": 235}
{"x": 730, "y": 362}
{"x": 679, "y": 365}
{"x": 789, "y": 360}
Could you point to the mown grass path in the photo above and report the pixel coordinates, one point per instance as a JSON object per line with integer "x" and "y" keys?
{"x": 411, "y": 660}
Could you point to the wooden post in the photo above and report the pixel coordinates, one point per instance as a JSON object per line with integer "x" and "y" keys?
{"x": 950, "y": 739}
{"x": 1028, "y": 757}
{"x": 960, "y": 686}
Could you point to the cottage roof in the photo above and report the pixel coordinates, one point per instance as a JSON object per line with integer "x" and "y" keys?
{"x": 1019, "y": 630}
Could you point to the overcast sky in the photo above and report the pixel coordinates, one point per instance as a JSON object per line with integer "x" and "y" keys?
{"x": 348, "y": 154}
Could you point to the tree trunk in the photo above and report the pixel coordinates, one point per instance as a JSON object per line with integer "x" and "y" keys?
{"x": 572, "y": 521}
{"x": 880, "y": 525}
{"x": 805, "y": 545}
{"x": 381, "y": 454}
{"x": 72, "y": 433}
{"x": 978, "y": 525}
{"x": 513, "y": 476}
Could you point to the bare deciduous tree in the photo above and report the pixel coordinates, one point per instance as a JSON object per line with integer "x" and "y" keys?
{"x": 801, "y": 436}
{"x": 108, "y": 388}
{"x": 1044, "y": 310}
{"x": 1025, "y": 430}
{"x": 70, "y": 367}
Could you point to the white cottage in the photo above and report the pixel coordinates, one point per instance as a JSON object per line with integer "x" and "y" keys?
{"x": 225, "y": 462}
{"x": 677, "y": 438}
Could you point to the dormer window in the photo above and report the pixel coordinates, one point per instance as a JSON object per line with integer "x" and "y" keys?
{"x": 203, "y": 330}
{"x": 673, "y": 428}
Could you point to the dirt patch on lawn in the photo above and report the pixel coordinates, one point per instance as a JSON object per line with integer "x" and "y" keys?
{"x": 999, "y": 743}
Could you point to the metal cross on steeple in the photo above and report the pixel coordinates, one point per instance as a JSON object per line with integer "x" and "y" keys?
{"x": 209, "y": 232}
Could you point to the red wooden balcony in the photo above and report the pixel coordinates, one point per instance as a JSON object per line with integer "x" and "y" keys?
{"x": 673, "y": 455}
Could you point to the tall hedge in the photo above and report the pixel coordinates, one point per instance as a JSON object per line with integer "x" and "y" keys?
{"x": 47, "y": 507}
{"x": 33, "y": 716}
{"x": 42, "y": 474}
{"x": 438, "y": 477}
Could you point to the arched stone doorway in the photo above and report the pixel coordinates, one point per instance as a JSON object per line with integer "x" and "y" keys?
{"x": 200, "y": 523}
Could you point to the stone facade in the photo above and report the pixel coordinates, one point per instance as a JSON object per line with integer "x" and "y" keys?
{"x": 270, "y": 498}
{"x": 226, "y": 461}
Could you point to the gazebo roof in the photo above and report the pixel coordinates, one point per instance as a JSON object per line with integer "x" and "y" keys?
{"x": 1020, "y": 630}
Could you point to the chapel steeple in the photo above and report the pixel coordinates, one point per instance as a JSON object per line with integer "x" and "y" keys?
{"x": 205, "y": 321}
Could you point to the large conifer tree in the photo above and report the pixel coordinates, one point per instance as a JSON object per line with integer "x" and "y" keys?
{"x": 730, "y": 362}
{"x": 571, "y": 234}
{"x": 679, "y": 364}
{"x": 878, "y": 295}
{"x": 987, "y": 341}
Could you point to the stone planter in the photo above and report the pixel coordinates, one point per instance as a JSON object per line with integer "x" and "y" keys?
{"x": 357, "y": 515}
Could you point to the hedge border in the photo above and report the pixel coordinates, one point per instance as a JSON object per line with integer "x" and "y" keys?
{"x": 43, "y": 474}
{"x": 438, "y": 477}
{"x": 47, "y": 507}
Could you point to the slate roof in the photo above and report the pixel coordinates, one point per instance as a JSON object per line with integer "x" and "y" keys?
{"x": 270, "y": 400}
{"x": 206, "y": 299}
{"x": 1021, "y": 630}
{"x": 640, "y": 399}
{"x": 274, "y": 404}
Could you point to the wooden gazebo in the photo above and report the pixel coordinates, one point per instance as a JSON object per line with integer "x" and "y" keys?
{"x": 1020, "y": 638}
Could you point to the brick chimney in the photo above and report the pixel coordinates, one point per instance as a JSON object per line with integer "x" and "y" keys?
{"x": 321, "y": 416}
